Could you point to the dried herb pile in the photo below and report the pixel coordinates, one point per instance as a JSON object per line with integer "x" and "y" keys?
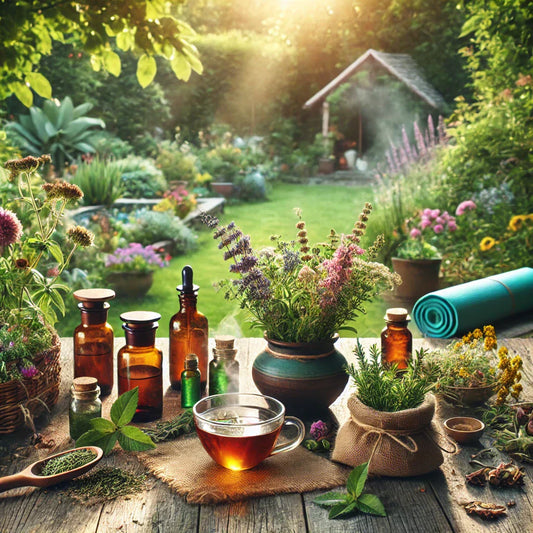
{"x": 107, "y": 484}
{"x": 171, "y": 429}
{"x": 67, "y": 461}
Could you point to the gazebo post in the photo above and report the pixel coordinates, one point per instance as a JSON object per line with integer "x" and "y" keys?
{"x": 325, "y": 120}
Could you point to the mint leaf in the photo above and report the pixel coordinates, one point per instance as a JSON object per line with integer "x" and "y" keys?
{"x": 357, "y": 479}
{"x": 331, "y": 498}
{"x": 371, "y": 504}
{"x": 341, "y": 509}
{"x": 93, "y": 437}
{"x": 102, "y": 425}
{"x": 132, "y": 439}
{"x": 124, "y": 407}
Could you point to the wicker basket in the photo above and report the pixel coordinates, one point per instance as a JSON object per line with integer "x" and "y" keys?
{"x": 31, "y": 396}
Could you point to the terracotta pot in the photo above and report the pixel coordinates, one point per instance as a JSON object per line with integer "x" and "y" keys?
{"x": 419, "y": 276}
{"x": 468, "y": 396}
{"x": 224, "y": 188}
{"x": 305, "y": 377}
{"x": 130, "y": 284}
{"x": 326, "y": 165}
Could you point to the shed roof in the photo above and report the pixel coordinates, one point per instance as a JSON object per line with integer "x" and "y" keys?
{"x": 401, "y": 66}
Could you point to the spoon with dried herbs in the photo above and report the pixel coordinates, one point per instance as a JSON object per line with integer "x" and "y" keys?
{"x": 55, "y": 469}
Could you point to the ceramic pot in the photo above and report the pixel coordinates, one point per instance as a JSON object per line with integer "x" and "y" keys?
{"x": 130, "y": 284}
{"x": 305, "y": 377}
{"x": 419, "y": 276}
{"x": 224, "y": 188}
{"x": 469, "y": 396}
{"x": 326, "y": 165}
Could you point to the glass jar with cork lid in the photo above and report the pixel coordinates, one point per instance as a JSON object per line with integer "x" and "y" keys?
{"x": 85, "y": 404}
{"x": 396, "y": 339}
{"x": 223, "y": 368}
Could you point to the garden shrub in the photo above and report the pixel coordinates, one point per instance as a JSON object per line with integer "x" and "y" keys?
{"x": 141, "y": 177}
{"x": 177, "y": 162}
{"x": 148, "y": 227}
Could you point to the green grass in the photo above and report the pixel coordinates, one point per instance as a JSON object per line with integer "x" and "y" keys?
{"x": 323, "y": 207}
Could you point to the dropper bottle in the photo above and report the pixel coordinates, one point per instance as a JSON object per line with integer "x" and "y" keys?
{"x": 188, "y": 332}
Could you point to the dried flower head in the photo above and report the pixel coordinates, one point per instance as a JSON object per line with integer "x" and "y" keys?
{"x": 80, "y": 236}
{"x": 27, "y": 164}
{"x": 10, "y": 227}
{"x": 62, "y": 190}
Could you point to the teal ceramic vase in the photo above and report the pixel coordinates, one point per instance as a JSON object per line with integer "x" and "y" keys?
{"x": 305, "y": 377}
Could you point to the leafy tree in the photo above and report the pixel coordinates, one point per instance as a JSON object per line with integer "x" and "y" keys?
{"x": 145, "y": 27}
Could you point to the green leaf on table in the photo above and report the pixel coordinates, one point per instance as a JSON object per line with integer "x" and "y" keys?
{"x": 357, "y": 479}
{"x": 102, "y": 425}
{"x": 93, "y": 437}
{"x": 371, "y": 504}
{"x": 342, "y": 509}
{"x": 132, "y": 439}
{"x": 330, "y": 498}
{"x": 124, "y": 407}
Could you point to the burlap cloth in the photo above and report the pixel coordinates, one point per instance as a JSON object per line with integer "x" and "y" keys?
{"x": 404, "y": 443}
{"x": 187, "y": 468}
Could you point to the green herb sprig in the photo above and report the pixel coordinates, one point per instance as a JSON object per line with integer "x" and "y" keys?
{"x": 171, "y": 429}
{"x": 68, "y": 461}
{"x": 382, "y": 388}
{"x": 342, "y": 504}
{"x": 105, "y": 433}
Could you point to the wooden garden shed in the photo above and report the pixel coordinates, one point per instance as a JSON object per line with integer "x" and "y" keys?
{"x": 402, "y": 67}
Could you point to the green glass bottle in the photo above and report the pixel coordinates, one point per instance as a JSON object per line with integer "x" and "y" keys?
{"x": 224, "y": 369}
{"x": 190, "y": 381}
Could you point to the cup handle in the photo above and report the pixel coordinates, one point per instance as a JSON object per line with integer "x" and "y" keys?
{"x": 291, "y": 421}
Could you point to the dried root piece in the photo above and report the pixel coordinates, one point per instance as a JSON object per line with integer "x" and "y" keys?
{"x": 504, "y": 475}
{"x": 479, "y": 477}
{"x": 488, "y": 511}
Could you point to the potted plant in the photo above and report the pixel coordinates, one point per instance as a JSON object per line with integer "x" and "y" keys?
{"x": 301, "y": 295}
{"x": 417, "y": 259}
{"x": 31, "y": 294}
{"x": 391, "y": 418}
{"x": 130, "y": 270}
{"x": 470, "y": 371}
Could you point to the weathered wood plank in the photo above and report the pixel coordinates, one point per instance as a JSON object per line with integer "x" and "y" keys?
{"x": 275, "y": 514}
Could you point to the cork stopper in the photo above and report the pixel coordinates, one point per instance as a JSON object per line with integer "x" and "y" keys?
{"x": 191, "y": 361}
{"x": 140, "y": 317}
{"x": 397, "y": 314}
{"x": 84, "y": 384}
{"x": 94, "y": 298}
{"x": 224, "y": 342}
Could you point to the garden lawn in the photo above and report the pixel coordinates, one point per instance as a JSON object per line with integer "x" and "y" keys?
{"x": 323, "y": 207}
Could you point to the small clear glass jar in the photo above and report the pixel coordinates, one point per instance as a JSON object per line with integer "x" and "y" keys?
{"x": 85, "y": 404}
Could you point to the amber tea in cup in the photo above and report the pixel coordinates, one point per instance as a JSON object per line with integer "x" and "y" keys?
{"x": 240, "y": 430}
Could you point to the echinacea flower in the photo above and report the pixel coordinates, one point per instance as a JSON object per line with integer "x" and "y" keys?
{"x": 80, "y": 236}
{"x": 487, "y": 243}
{"x": 10, "y": 227}
{"x": 62, "y": 190}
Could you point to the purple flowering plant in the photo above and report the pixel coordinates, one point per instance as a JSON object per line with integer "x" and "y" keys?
{"x": 426, "y": 230}
{"x": 296, "y": 291}
{"x": 135, "y": 258}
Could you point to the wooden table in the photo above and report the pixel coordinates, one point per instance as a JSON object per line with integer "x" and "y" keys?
{"x": 430, "y": 503}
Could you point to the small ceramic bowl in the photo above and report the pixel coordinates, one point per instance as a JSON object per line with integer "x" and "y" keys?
{"x": 464, "y": 429}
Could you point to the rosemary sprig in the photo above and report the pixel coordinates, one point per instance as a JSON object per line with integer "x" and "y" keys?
{"x": 171, "y": 429}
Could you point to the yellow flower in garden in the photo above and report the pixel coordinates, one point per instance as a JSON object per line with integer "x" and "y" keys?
{"x": 516, "y": 222}
{"x": 477, "y": 333}
{"x": 487, "y": 243}
{"x": 516, "y": 390}
{"x": 489, "y": 331}
{"x": 490, "y": 343}
{"x": 530, "y": 217}
{"x": 463, "y": 372}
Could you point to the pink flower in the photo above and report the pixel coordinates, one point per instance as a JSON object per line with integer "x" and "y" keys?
{"x": 438, "y": 228}
{"x": 463, "y": 207}
{"x": 29, "y": 372}
{"x": 415, "y": 233}
{"x": 425, "y": 222}
{"x": 10, "y": 227}
{"x": 452, "y": 226}
{"x": 439, "y": 220}
{"x": 319, "y": 430}
{"x": 435, "y": 213}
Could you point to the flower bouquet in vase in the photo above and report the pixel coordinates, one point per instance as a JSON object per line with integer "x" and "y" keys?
{"x": 31, "y": 294}
{"x": 301, "y": 295}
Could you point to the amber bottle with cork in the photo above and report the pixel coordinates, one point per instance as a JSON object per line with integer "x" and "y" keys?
{"x": 223, "y": 368}
{"x": 396, "y": 339}
{"x": 188, "y": 332}
{"x": 93, "y": 338}
{"x": 139, "y": 363}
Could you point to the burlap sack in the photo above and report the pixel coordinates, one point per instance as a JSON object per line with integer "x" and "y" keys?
{"x": 400, "y": 444}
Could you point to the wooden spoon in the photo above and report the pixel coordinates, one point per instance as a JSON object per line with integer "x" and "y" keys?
{"x": 30, "y": 476}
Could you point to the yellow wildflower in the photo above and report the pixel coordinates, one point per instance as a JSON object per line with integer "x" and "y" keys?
{"x": 463, "y": 372}
{"x": 477, "y": 333}
{"x": 516, "y": 390}
{"x": 490, "y": 343}
{"x": 487, "y": 243}
{"x": 516, "y": 222}
{"x": 503, "y": 352}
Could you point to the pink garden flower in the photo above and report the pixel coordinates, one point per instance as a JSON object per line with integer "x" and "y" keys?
{"x": 29, "y": 372}
{"x": 425, "y": 222}
{"x": 10, "y": 227}
{"x": 438, "y": 228}
{"x": 452, "y": 226}
{"x": 415, "y": 233}
{"x": 463, "y": 207}
{"x": 435, "y": 213}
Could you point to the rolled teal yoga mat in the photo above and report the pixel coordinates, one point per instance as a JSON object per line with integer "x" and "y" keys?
{"x": 456, "y": 310}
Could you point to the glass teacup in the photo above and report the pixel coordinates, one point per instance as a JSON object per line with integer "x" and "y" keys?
{"x": 240, "y": 430}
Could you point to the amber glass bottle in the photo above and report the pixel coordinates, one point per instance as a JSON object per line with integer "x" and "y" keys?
{"x": 396, "y": 339}
{"x": 93, "y": 338}
{"x": 188, "y": 332}
{"x": 139, "y": 364}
